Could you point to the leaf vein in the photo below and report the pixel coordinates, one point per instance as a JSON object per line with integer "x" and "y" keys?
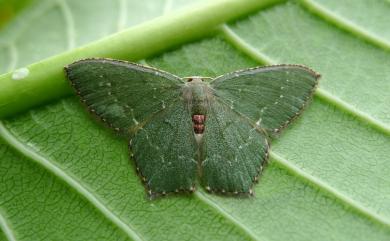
{"x": 13, "y": 53}
{"x": 6, "y": 228}
{"x": 70, "y": 27}
{"x": 31, "y": 154}
{"x": 345, "y": 24}
{"x": 329, "y": 189}
{"x": 200, "y": 195}
{"x": 167, "y": 7}
{"x": 11, "y": 34}
{"x": 329, "y": 98}
{"x": 122, "y": 15}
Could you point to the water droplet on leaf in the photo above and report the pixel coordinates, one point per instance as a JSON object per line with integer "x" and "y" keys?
{"x": 20, "y": 74}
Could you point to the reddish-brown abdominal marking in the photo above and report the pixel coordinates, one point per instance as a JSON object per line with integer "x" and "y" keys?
{"x": 198, "y": 121}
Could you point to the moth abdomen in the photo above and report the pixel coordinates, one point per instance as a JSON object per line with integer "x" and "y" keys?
{"x": 198, "y": 121}
{"x": 197, "y": 94}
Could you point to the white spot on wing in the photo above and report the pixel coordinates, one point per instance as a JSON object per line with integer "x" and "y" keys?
{"x": 134, "y": 120}
{"x": 258, "y": 122}
{"x": 204, "y": 162}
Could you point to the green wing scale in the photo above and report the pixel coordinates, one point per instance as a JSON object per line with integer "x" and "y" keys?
{"x": 122, "y": 94}
{"x": 270, "y": 96}
{"x": 233, "y": 152}
{"x": 164, "y": 151}
{"x": 177, "y": 127}
{"x": 247, "y": 106}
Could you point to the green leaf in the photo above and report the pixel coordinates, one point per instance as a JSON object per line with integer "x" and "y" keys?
{"x": 62, "y": 176}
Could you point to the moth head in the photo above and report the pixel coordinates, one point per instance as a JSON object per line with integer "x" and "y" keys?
{"x": 196, "y": 79}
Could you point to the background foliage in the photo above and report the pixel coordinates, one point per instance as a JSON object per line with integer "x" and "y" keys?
{"x": 63, "y": 177}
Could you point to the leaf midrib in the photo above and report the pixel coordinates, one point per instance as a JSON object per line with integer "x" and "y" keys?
{"x": 144, "y": 40}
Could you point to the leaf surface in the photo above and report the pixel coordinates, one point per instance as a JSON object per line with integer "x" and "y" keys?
{"x": 63, "y": 176}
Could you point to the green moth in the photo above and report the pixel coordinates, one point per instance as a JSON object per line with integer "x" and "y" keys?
{"x": 178, "y": 128}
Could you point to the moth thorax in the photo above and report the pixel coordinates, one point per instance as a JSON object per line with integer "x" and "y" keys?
{"x": 198, "y": 121}
{"x": 198, "y": 97}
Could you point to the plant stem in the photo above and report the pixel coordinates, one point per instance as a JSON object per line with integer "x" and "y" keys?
{"x": 45, "y": 80}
